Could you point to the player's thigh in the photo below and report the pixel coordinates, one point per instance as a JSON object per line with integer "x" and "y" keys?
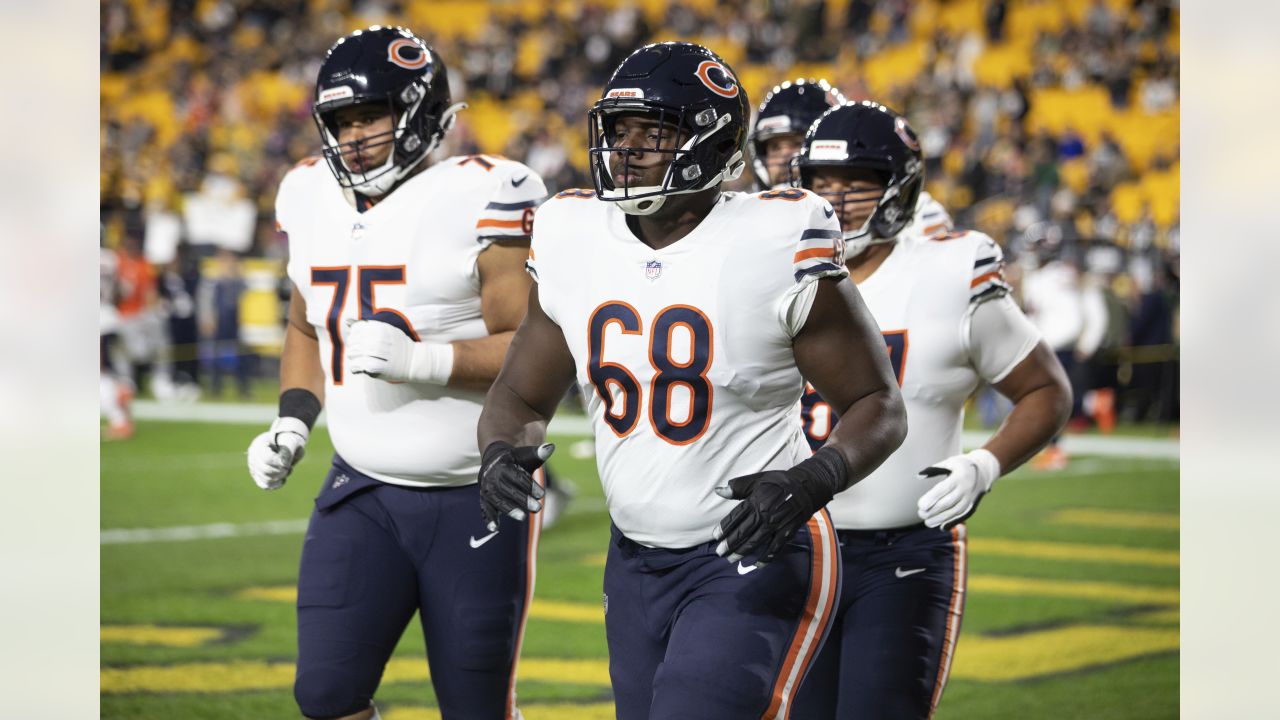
{"x": 475, "y": 588}
{"x": 900, "y": 632}
{"x": 741, "y": 646}
{"x": 356, "y": 593}
{"x": 636, "y": 648}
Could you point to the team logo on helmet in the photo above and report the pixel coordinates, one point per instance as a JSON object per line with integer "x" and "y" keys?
{"x": 407, "y": 54}
{"x": 901, "y": 129}
{"x": 728, "y": 85}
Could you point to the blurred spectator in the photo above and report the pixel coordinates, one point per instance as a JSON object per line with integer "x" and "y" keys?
{"x": 179, "y": 285}
{"x": 1051, "y": 296}
{"x": 220, "y": 320}
{"x": 140, "y": 328}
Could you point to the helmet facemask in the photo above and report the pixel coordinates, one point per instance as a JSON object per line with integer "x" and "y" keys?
{"x": 703, "y": 138}
{"x": 413, "y": 136}
{"x": 881, "y": 225}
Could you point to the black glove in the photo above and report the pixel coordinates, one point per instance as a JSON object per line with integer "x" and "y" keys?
{"x": 506, "y": 480}
{"x": 775, "y": 504}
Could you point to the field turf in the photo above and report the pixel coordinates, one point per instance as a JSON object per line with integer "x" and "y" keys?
{"x": 1072, "y": 608}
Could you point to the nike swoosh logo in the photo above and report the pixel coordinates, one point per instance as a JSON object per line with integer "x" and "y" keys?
{"x": 829, "y": 211}
{"x": 743, "y": 570}
{"x": 903, "y": 573}
{"x": 518, "y": 183}
{"x": 477, "y": 543}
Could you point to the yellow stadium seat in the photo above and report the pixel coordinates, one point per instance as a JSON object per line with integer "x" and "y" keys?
{"x": 962, "y": 16}
{"x": 451, "y": 18}
{"x": 1075, "y": 174}
{"x": 1127, "y": 202}
{"x": 895, "y": 66}
{"x": 998, "y": 65}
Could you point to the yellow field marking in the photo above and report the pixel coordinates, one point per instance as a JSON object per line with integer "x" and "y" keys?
{"x": 1082, "y": 590}
{"x": 541, "y": 610}
{"x": 1171, "y": 616}
{"x": 157, "y": 635}
{"x": 244, "y": 675}
{"x": 198, "y": 677}
{"x": 594, "y": 559}
{"x": 559, "y": 711}
{"x": 1035, "y": 654}
{"x": 567, "y": 611}
{"x": 280, "y": 593}
{"x": 1097, "y": 517}
{"x": 1079, "y": 552}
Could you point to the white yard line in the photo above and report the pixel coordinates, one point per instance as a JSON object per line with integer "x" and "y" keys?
{"x": 578, "y": 426}
{"x": 126, "y": 536}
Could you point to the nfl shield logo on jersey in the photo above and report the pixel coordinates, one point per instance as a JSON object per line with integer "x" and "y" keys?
{"x": 653, "y": 269}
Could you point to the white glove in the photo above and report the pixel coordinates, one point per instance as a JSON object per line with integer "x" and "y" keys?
{"x": 966, "y": 479}
{"x": 383, "y": 351}
{"x": 273, "y": 454}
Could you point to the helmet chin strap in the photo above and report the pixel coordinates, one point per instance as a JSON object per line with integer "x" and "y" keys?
{"x": 858, "y": 241}
{"x": 650, "y": 205}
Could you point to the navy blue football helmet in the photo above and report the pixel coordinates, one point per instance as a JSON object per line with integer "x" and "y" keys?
{"x": 866, "y": 135}
{"x": 680, "y": 84}
{"x": 393, "y": 67}
{"x": 788, "y": 109}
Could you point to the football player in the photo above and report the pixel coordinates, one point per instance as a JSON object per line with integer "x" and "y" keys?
{"x": 948, "y": 322}
{"x": 688, "y": 316}
{"x": 408, "y": 282}
{"x": 778, "y": 134}
{"x": 115, "y": 392}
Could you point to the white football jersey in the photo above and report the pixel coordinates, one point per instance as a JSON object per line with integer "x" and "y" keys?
{"x": 922, "y": 297}
{"x": 930, "y": 218}
{"x": 411, "y": 260}
{"x": 684, "y": 354}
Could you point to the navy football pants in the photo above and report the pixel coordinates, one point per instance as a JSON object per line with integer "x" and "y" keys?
{"x": 692, "y": 636}
{"x": 375, "y": 553}
{"x": 895, "y": 629}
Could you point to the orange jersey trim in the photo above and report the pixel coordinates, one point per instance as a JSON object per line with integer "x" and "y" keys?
{"x": 983, "y": 278}
{"x": 825, "y": 253}
{"x": 500, "y": 223}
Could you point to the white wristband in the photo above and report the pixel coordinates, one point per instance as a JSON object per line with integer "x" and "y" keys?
{"x": 289, "y": 424}
{"x": 432, "y": 362}
{"x": 987, "y": 465}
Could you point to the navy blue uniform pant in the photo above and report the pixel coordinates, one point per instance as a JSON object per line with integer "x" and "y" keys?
{"x": 895, "y": 629}
{"x": 374, "y": 554}
{"x": 692, "y": 636}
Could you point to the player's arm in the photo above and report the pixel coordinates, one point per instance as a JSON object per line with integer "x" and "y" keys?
{"x": 385, "y": 351}
{"x": 1041, "y": 396}
{"x": 841, "y": 352}
{"x": 1007, "y": 351}
{"x": 273, "y": 453}
{"x": 504, "y": 298}
{"x": 534, "y": 378}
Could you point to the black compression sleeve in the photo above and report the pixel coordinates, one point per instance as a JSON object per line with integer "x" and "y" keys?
{"x": 300, "y": 403}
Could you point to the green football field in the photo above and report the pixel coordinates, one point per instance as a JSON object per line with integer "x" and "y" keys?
{"x": 1072, "y": 599}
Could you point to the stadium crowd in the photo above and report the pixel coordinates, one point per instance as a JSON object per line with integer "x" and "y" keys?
{"x": 1051, "y": 125}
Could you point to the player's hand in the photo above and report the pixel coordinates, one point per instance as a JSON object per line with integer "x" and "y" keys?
{"x": 379, "y": 350}
{"x": 506, "y": 480}
{"x": 775, "y": 504}
{"x": 273, "y": 454}
{"x": 963, "y": 480}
